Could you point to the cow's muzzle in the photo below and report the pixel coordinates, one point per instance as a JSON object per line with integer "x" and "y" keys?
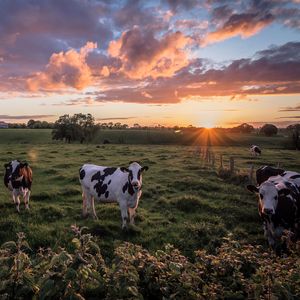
{"x": 268, "y": 211}
{"x": 136, "y": 186}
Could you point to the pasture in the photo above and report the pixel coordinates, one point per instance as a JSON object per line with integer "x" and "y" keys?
{"x": 184, "y": 202}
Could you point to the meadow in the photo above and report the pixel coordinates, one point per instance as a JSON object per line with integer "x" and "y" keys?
{"x": 184, "y": 203}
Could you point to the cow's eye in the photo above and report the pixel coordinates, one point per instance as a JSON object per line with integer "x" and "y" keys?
{"x": 261, "y": 196}
{"x": 276, "y": 197}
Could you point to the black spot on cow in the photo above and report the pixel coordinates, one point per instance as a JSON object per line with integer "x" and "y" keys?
{"x": 124, "y": 189}
{"x": 106, "y": 194}
{"x": 100, "y": 186}
{"x": 295, "y": 176}
{"x": 109, "y": 182}
{"x": 81, "y": 173}
{"x": 128, "y": 187}
{"x": 265, "y": 172}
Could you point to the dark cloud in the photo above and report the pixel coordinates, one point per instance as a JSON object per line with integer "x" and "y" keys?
{"x": 290, "y": 108}
{"x": 133, "y": 13}
{"x": 289, "y": 117}
{"x": 176, "y": 5}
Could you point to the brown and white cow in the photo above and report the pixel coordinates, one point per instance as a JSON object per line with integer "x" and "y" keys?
{"x": 109, "y": 184}
{"x": 18, "y": 179}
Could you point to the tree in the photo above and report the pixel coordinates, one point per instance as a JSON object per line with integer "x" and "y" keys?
{"x": 79, "y": 127}
{"x": 243, "y": 128}
{"x": 294, "y": 131}
{"x": 269, "y": 130}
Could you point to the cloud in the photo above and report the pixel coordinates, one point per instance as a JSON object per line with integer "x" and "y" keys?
{"x": 290, "y": 108}
{"x": 142, "y": 55}
{"x": 24, "y": 117}
{"x": 31, "y": 31}
{"x": 289, "y": 117}
{"x": 244, "y": 25}
{"x": 65, "y": 69}
{"x": 270, "y": 72}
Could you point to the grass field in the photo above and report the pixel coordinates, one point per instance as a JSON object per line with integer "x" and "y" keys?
{"x": 184, "y": 202}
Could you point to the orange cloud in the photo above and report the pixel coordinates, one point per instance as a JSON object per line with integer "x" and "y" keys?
{"x": 65, "y": 69}
{"x": 143, "y": 55}
{"x": 244, "y": 25}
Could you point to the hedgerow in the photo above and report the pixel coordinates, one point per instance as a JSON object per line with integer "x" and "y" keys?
{"x": 236, "y": 271}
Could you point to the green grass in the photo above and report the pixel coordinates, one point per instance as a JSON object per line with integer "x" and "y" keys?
{"x": 184, "y": 202}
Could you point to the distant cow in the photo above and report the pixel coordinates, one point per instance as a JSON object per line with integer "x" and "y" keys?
{"x": 279, "y": 205}
{"x": 109, "y": 184}
{"x": 265, "y": 172}
{"x": 255, "y": 150}
{"x": 18, "y": 179}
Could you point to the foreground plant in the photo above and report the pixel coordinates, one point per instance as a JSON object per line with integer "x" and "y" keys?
{"x": 236, "y": 271}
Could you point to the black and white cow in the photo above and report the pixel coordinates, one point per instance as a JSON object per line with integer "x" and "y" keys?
{"x": 109, "y": 184}
{"x": 279, "y": 205}
{"x": 265, "y": 172}
{"x": 18, "y": 179}
{"x": 255, "y": 150}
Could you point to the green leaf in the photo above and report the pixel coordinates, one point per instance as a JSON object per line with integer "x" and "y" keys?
{"x": 76, "y": 243}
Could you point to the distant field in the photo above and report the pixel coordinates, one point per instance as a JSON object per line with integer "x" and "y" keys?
{"x": 184, "y": 202}
{"x": 148, "y": 137}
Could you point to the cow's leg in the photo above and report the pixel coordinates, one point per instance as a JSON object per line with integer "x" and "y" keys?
{"x": 13, "y": 197}
{"x": 26, "y": 199}
{"x": 131, "y": 212}
{"x": 84, "y": 204}
{"x": 124, "y": 214}
{"x": 16, "y": 198}
{"x": 92, "y": 202}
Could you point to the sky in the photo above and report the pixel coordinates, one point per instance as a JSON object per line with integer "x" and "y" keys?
{"x": 205, "y": 63}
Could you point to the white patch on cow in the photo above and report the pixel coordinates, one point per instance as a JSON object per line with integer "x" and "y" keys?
{"x": 14, "y": 165}
{"x": 268, "y": 197}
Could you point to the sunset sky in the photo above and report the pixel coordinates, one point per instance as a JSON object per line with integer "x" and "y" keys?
{"x": 169, "y": 62}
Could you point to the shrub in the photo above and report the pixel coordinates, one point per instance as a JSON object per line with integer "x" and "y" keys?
{"x": 235, "y": 271}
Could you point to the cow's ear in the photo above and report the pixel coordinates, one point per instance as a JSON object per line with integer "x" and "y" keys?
{"x": 252, "y": 188}
{"x": 6, "y": 165}
{"x": 284, "y": 192}
{"x": 123, "y": 169}
{"x": 24, "y": 164}
{"x": 145, "y": 168}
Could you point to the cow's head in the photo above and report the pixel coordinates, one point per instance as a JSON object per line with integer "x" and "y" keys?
{"x": 268, "y": 193}
{"x": 14, "y": 170}
{"x": 135, "y": 171}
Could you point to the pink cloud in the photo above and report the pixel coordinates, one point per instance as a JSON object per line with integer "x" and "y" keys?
{"x": 142, "y": 55}
{"x": 65, "y": 69}
{"x": 244, "y": 25}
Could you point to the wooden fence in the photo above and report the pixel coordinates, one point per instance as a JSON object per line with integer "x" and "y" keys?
{"x": 209, "y": 158}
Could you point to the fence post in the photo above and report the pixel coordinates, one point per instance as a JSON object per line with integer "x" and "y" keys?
{"x": 213, "y": 159}
{"x": 231, "y": 167}
{"x": 221, "y": 161}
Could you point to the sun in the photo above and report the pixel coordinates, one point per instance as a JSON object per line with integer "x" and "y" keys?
{"x": 208, "y": 124}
